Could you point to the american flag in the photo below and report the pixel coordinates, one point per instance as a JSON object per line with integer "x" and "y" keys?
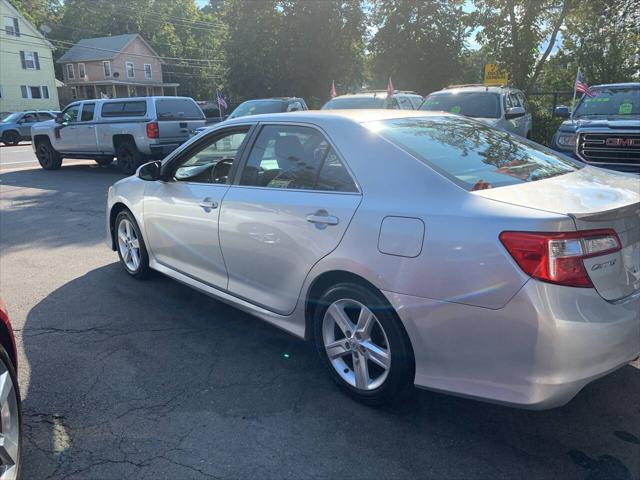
{"x": 332, "y": 92}
{"x": 390, "y": 89}
{"x": 581, "y": 86}
{"x": 221, "y": 101}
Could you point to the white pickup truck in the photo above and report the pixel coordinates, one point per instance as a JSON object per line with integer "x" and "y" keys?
{"x": 133, "y": 130}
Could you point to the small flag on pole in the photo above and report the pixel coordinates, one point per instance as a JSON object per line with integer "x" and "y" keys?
{"x": 390, "y": 88}
{"x": 581, "y": 86}
{"x": 222, "y": 104}
{"x": 333, "y": 93}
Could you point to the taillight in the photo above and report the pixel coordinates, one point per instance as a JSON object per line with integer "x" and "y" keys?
{"x": 152, "y": 130}
{"x": 558, "y": 257}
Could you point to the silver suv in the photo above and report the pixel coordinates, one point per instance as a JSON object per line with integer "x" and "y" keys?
{"x": 375, "y": 99}
{"x": 132, "y": 129}
{"x": 502, "y": 107}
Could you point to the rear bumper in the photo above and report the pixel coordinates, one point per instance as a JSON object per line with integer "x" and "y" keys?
{"x": 159, "y": 151}
{"x": 537, "y": 352}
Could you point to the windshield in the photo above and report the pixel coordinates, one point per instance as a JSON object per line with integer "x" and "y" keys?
{"x": 473, "y": 155}
{"x": 354, "y": 103}
{"x": 610, "y": 102}
{"x": 256, "y": 107}
{"x": 13, "y": 117}
{"x": 470, "y": 104}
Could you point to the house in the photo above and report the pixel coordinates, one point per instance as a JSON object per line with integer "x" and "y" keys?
{"x": 27, "y": 75}
{"x": 118, "y": 66}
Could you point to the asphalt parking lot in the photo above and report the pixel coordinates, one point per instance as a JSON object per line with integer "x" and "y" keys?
{"x": 152, "y": 380}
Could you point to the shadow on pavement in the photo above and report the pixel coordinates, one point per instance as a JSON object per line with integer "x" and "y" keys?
{"x": 154, "y": 380}
{"x": 54, "y": 208}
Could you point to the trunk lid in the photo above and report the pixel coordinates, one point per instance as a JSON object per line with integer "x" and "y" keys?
{"x": 177, "y": 118}
{"x": 595, "y": 199}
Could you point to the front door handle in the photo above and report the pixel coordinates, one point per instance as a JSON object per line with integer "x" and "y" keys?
{"x": 208, "y": 204}
{"x": 322, "y": 217}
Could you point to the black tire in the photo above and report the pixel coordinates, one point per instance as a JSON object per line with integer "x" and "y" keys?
{"x": 399, "y": 381}
{"x": 104, "y": 161}
{"x": 143, "y": 270}
{"x": 48, "y": 157}
{"x": 129, "y": 157}
{"x": 4, "y": 358}
{"x": 11, "y": 138}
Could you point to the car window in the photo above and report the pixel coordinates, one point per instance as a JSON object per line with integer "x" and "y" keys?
{"x": 405, "y": 103}
{"x": 473, "y": 155}
{"x": 87, "y": 112}
{"x": 70, "y": 114}
{"x": 29, "y": 118}
{"x": 212, "y": 162}
{"x": 178, "y": 109}
{"x": 523, "y": 100}
{"x": 393, "y": 104}
{"x": 515, "y": 101}
{"x": 471, "y": 104}
{"x": 610, "y": 102}
{"x": 45, "y": 116}
{"x": 508, "y": 103}
{"x": 294, "y": 107}
{"x": 256, "y": 107}
{"x": 124, "y": 109}
{"x": 416, "y": 100}
{"x": 292, "y": 157}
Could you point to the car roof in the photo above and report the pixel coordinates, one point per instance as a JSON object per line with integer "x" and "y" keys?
{"x": 271, "y": 99}
{"x": 476, "y": 88}
{"x": 329, "y": 116}
{"x": 376, "y": 94}
{"x": 618, "y": 85}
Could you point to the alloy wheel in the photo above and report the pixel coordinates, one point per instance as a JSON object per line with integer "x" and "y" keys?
{"x": 356, "y": 344}
{"x": 44, "y": 155}
{"x": 129, "y": 245}
{"x": 9, "y": 426}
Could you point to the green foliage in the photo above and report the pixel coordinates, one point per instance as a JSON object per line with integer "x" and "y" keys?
{"x": 544, "y": 123}
{"x": 419, "y": 44}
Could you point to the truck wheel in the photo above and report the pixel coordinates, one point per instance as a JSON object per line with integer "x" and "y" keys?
{"x": 129, "y": 157}
{"x": 11, "y": 138}
{"x": 104, "y": 161}
{"x": 48, "y": 157}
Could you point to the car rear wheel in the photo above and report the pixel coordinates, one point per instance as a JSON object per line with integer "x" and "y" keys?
{"x": 363, "y": 344}
{"x": 131, "y": 248}
{"x": 10, "y": 420}
{"x": 11, "y": 138}
{"x": 48, "y": 157}
{"x": 129, "y": 157}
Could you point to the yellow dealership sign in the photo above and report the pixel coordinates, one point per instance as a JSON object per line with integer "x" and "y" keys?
{"x": 493, "y": 75}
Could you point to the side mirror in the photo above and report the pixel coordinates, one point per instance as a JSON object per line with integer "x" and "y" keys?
{"x": 58, "y": 118}
{"x": 514, "y": 112}
{"x": 150, "y": 171}
{"x": 562, "y": 112}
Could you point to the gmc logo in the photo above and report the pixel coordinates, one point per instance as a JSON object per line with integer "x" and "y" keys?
{"x": 623, "y": 142}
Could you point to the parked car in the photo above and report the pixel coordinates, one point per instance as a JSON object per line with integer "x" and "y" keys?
{"x": 10, "y": 406}
{"x": 376, "y": 99}
{"x": 261, "y": 106}
{"x": 605, "y": 129}
{"x": 133, "y": 129}
{"x": 501, "y": 107}
{"x": 16, "y": 127}
{"x": 211, "y": 111}
{"x": 412, "y": 247}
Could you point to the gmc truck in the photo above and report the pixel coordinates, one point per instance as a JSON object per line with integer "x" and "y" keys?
{"x": 605, "y": 128}
{"x": 134, "y": 130}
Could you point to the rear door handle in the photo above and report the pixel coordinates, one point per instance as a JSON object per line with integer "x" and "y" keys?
{"x": 322, "y": 217}
{"x": 208, "y": 204}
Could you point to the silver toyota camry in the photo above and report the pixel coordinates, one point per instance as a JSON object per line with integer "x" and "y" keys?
{"x": 413, "y": 248}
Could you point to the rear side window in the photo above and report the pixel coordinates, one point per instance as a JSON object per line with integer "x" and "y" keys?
{"x": 124, "y": 109}
{"x": 87, "y": 112}
{"x": 471, "y": 154}
{"x": 471, "y": 104}
{"x": 45, "y": 116}
{"x": 178, "y": 109}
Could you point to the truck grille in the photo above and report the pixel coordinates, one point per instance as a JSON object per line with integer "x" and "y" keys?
{"x": 621, "y": 149}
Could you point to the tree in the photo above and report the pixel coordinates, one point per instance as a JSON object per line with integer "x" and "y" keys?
{"x": 513, "y": 31}
{"x": 418, "y": 44}
{"x": 39, "y": 12}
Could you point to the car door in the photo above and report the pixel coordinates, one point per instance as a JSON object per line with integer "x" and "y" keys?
{"x": 65, "y": 135}
{"x": 528, "y": 117}
{"x": 181, "y": 214}
{"x": 86, "y": 129}
{"x": 26, "y": 122}
{"x": 288, "y": 208}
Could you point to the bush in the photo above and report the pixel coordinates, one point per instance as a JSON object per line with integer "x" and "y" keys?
{"x": 544, "y": 123}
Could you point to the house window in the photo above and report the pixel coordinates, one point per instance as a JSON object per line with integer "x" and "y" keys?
{"x": 11, "y": 26}
{"x": 30, "y": 60}
{"x": 130, "y": 70}
{"x": 35, "y": 92}
{"x": 24, "y": 91}
{"x": 81, "y": 71}
{"x": 107, "y": 68}
{"x": 70, "y": 72}
{"x": 74, "y": 92}
{"x": 45, "y": 91}
{"x": 147, "y": 71}
{"x": 29, "y": 91}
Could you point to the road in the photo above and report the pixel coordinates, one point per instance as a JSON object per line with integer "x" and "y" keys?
{"x": 152, "y": 380}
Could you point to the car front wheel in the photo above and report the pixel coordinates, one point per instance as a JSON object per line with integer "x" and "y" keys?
{"x": 363, "y": 344}
{"x": 11, "y": 138}
{"x": 131, "y": 248}
{"x": 48, "y": 157}
{"x": 10, "y": 420}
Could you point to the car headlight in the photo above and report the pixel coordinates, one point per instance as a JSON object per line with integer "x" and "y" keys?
{"x": 567, "y": 141}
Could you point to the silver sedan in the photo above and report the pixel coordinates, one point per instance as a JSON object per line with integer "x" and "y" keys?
{"x": 413, "y": 248}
